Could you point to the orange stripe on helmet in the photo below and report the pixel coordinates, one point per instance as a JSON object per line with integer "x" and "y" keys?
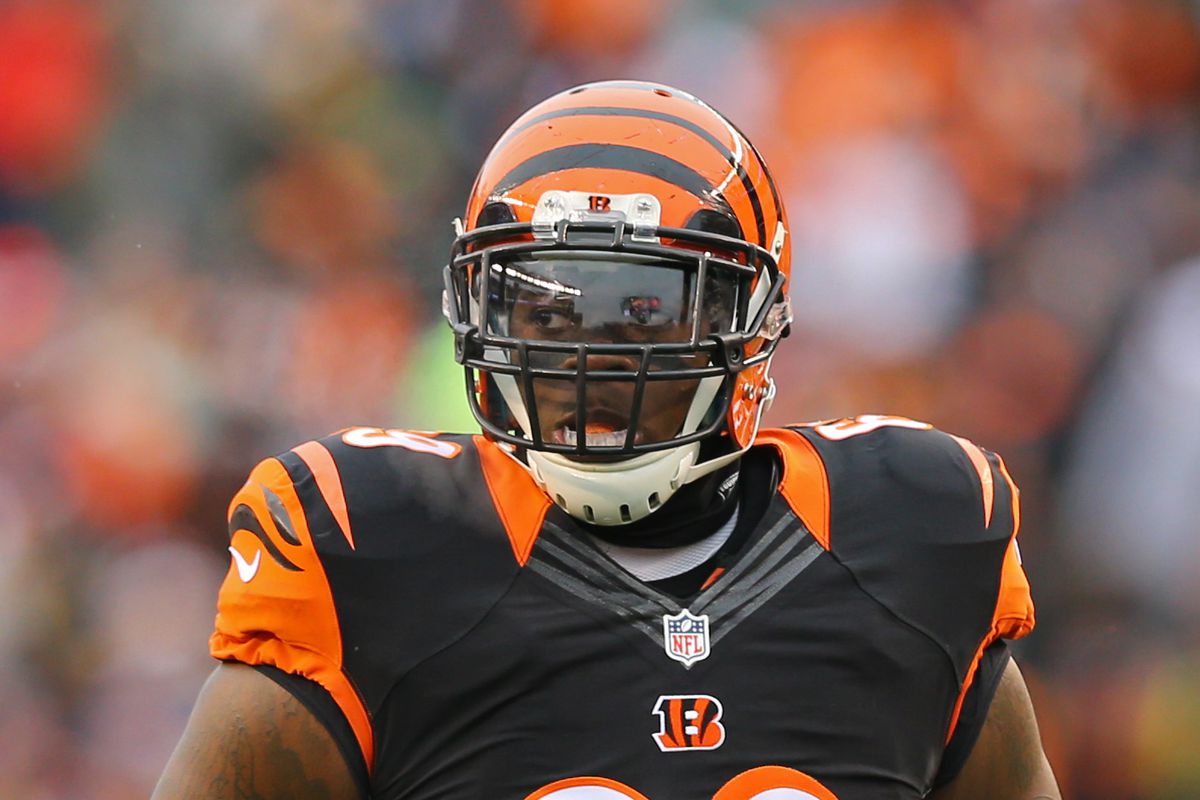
{"x": 582, "y": 123}
{"x": 676, "y": 204}
{"x": 580, "y": 116}
{"x": 600, "y": 155}
{"x": 639, "y": 96}
{"x": 706, "y": 142}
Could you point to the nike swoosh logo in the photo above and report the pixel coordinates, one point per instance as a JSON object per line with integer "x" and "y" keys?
{"x": 246, "y": 569}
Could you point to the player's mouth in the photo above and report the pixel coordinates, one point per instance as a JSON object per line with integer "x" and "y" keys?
{"x": 604, "y": 429}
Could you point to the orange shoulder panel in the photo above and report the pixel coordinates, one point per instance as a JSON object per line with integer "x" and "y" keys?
{"x": 521, "y": 505}
{"x": 275, "y": 606}
{"x": 805, "y": 483}
{"x": 1014, "y": 615}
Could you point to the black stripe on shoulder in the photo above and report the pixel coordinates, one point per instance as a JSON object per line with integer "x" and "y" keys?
{"x": 326, "y": 532}
{"x": 607, "y": 156}
{"x": 281, "y": 517}
{"x": 243, "y": 518}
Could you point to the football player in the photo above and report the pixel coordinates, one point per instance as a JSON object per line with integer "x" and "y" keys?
{"x": 623, "y": 588}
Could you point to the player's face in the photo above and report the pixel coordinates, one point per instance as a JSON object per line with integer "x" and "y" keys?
{"x": 573, "y": 301}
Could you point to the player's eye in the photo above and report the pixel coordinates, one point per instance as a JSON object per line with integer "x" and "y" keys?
{"x": 552, "y": 317}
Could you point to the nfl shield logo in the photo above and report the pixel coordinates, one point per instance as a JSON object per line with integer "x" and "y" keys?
{"x": 686, "y": 637}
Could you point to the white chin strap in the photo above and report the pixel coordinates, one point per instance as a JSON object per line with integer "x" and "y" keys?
{"x": 619, "y": 492}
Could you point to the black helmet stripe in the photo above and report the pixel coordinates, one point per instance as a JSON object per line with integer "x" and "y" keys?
{"x": 718, "y": 145}
{"x": 755, "y": 204}
{"x": 607, "y": 156}
{"x": 762, "y": 165}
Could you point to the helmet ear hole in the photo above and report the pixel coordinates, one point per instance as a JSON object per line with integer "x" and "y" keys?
{"x": 495, "y": 214}
{"x": 709, "y": 221}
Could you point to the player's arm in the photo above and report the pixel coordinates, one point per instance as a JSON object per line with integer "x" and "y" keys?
{"x": 250, "y": 738}
{"x": 1007, "y": 761}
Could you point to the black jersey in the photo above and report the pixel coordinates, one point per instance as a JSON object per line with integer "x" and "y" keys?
{"x": 479, "y": 649}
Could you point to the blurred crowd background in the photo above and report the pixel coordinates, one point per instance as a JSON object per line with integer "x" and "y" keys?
{"x": 222, "y": 227}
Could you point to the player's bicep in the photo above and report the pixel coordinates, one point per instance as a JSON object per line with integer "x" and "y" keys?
{"x": 249, "y": 738}
{"x": 1007, "y": 762}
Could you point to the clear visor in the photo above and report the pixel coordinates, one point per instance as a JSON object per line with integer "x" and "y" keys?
{"x": 643, "y": 321}
{"x": 588, "y": 300}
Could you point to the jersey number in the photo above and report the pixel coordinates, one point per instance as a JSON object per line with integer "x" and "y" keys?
{"x": 760, "y": 783}
{"x": 845, "y": 428}
{"x": 391, "y": 437}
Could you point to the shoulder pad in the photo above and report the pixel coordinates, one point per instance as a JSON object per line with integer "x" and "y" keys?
{"x": 352, "y": 479}
{"x": 926, "y": 521}
{"x": 350, "y": 532}
{"x": 275, "y": 606}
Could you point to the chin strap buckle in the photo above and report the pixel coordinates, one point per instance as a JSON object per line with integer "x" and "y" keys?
{"x": 779, "y": 319}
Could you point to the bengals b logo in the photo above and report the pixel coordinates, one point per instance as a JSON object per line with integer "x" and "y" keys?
{"x": 688, "y": 722}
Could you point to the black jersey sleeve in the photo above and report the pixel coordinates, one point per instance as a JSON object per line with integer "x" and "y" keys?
{"x": 318, "y": 701}
{"x": 927, "y": 523}
{"x": 976, "y": 702}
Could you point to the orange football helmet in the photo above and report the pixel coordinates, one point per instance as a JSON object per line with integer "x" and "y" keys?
{"x": 616, "y": 291}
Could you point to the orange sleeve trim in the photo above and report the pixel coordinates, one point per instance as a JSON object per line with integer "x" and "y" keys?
{"x": 1016, "y": 495}
{"x": 313, "y": 666}
{"x": 1014, "y": 615}
{"x": 984, "y": 470}
{"x": 967, "y": 682}
{"x": 519, "y": 502}
{"x": 805, "y": 483}
{"x": 329, "y": 482}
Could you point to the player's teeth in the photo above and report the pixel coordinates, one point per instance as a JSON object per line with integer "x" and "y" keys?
{"x": 607, "y": 438}
{"x": 596, "y": 438}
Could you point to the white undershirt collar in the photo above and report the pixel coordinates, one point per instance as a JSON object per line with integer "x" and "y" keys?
{"x": 657, "y": 563}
